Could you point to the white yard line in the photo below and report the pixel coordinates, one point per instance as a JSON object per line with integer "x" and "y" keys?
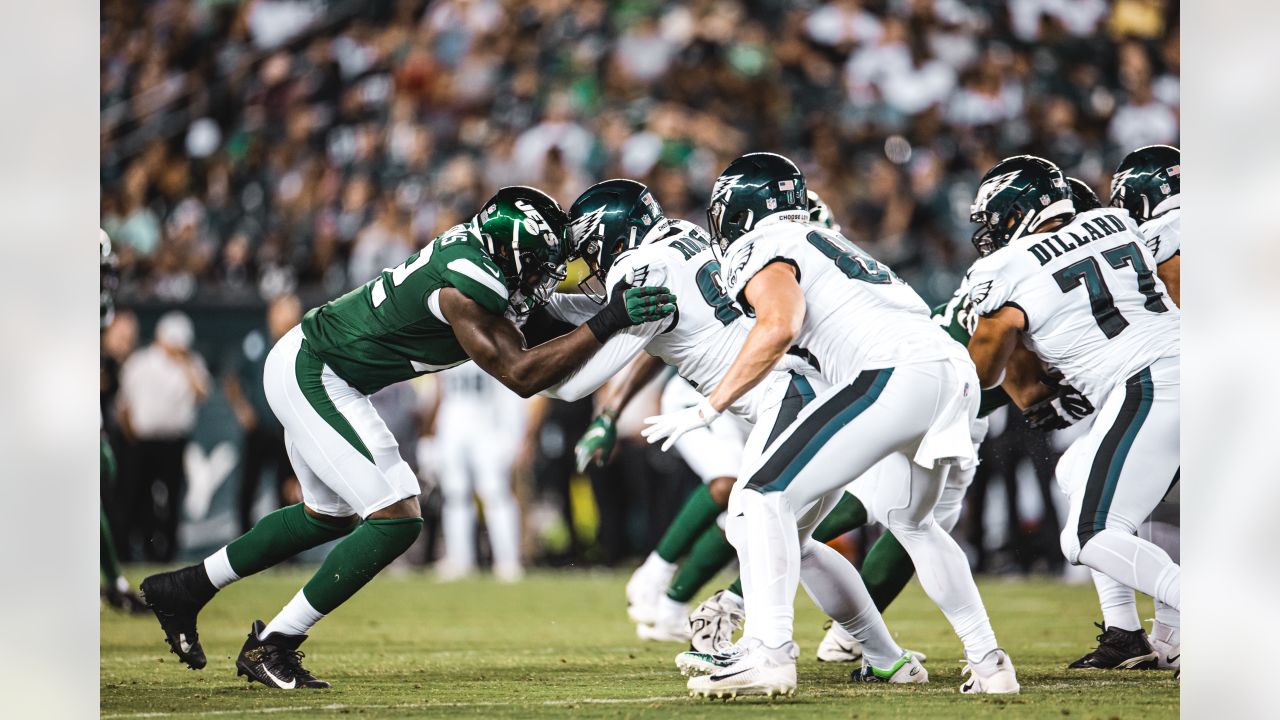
{"x": 339, "y": 707}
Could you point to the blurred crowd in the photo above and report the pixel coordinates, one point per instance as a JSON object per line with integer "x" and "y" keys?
{"x": 263, "y": 147}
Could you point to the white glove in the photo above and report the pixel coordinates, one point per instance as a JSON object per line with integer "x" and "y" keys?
{"x": 674, "y": 424}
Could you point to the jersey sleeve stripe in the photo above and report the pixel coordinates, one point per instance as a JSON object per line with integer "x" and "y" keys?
{"x": 463, "y": 266}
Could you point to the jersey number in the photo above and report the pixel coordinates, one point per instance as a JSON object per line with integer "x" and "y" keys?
{"x": 712, "y": 288}
{"x": 853, "y": 262}
{"x": 1101, "y": 301}
{"x": 378, "y": 294}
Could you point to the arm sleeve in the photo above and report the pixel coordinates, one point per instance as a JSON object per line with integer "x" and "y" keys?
{"x": 572, "y": 309}
{"x": 475, "y": 276}
{"x": 610, "y": 360}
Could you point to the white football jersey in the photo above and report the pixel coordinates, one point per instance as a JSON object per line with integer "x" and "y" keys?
{"x": 1095, "y": 308}
{"x": 700, "y": 340}
{"x": 1163, "y": 234}
{"x": 859, "y": 315}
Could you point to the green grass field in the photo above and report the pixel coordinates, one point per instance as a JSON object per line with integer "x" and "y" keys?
{"x": 559, "y": 645}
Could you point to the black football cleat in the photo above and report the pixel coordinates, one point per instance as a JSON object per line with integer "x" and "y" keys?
{"x": 176, "y": 599}
{"x": 275, "y": 661}
{"x": 1119, "y": 649}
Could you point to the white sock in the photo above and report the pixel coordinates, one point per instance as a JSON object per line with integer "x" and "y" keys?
{"x": 672, "y": 611}
{"x": 1167, "y": 617}
{"x": 218, "y": 568}
{"x": 838, "y": 590}
{"x": 297, "y": 618}
{"x": 1137, "y": 563}
{"x": 943, "y": 570}
{"x": 122, "y": 585}
{"x": 773, "y": 553}
{"x": 502, "y": 518}
{"x": 1119, "y": 608}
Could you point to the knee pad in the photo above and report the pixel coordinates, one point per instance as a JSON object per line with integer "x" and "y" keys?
{"x": 396, "y": 534}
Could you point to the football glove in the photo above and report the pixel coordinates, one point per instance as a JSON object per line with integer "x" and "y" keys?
{"x": 596, "y": 444}
{"x": 631, "y": 306}
{"x": 1060, "y": 410}
{"x": 674, "y": 424}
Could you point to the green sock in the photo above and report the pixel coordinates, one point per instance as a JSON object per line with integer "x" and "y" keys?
{"x": 708, "y": 556}
{"x": 278, "y": 537}
{"x": 355, "y": 560}
{"x": 886, "y": 570}
{"x": 736, "y": 586}
{"x": 698, "y": 512}
{"x": 848, "y": 514}
{"x": 107, "y": 551}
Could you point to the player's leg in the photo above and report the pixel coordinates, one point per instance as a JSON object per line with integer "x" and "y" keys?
{"x": 458, "y": 513}
{"x": 839, "y": 435}
{"x": 501, "y": 513}
{"x": 1164, "y": 529}
{"x": 1134, "y": 460}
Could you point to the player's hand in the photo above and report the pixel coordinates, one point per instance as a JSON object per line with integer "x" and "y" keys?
{"x": 596, "y": 444}
{"x": 674, "y": 424}
{"x": 646, "y": 304}
{"x": 1060, "y": 410}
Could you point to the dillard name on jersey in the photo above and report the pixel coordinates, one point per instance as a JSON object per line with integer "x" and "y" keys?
{"x": 1055, "y": 245}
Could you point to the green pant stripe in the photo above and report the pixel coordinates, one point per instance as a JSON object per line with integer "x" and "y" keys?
{"x": 309, "y": 369}
{"x": 1104, "y": 475}
{"x": 1147, "y": 391}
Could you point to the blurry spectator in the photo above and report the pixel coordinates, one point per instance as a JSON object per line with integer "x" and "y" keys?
{"x": 842, "y": 23}
{"x": 383, "y": 244}
{"x": 262, "y": 446}
{"x": 160, "y": 387}
{"x": 1142, "y": 120}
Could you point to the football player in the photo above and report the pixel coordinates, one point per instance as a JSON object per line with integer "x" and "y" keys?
{"x": 462, "y": 297}
{"x": 609, "y": 229}
{"x": 659, "y": 592}
{"x": 1146, "y": 185}
{"x": 897, "y": 385}
{"x": 1080, "y": 290}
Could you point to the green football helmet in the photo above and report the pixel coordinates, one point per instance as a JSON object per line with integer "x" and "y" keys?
{"x": 1083, "y": 198}
{"x": 752, "y": 188}
{"x": 1148, "y": 182}
{"x": 820, "y": 214}
{"x": 1015, "y": 197}
{"x": 608, "y": 219}
{"x": 522, "y": 229}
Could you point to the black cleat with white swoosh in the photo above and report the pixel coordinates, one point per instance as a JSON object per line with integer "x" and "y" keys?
{"x": 1119, "y": 650}
{"x": 275, "y": 661}
{"x": 176, "y": 599}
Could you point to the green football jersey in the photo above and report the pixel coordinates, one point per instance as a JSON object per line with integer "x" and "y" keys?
{"x": 957, "y": 319}
{"x": 391, "y": 329}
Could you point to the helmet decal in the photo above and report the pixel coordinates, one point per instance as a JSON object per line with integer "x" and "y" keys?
{"x": 991, "y": 188}
{"x": 723, "y": 188}
{"x": 588, "y": 225}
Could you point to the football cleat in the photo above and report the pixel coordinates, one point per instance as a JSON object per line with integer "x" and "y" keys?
{"x": 176, "y": 599}
{"x": 646, "y": 587}
{"x": 1167, "y": 647}
{"x": 275, "y": 661}
{"x": 714, "y": 622}
{"x": 992, "y": 675}
{"x": 838, "y": 645}
{"x": 907, "y": 670}
{"x": 692, "y": 663}
{"x": 757, "y": 671}
{"x": 667, "y": 628}
{"x": 1118, "y": 649}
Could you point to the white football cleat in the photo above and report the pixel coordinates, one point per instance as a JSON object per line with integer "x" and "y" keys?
{"x": 670, "y": 624}
{"x": 840, "y": 646}
{"x": 692, "y": 663}
{"x": 648, "y": 584}
{"x": 1168, "y": 647}
{"x": 992, "y": 675}
{"x": 906, "y": 671}
{"x": 758, "y": 671}
{"x": 714, "y": 622}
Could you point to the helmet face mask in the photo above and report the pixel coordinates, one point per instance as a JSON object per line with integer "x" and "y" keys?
{"x": 754, "y": 187}
{"x": 522, "y": 229}
{"x": 1148, "y": 182}
{"x": 820, "y": 213}
{"x": 1015, "y": 197}
{"x": 608, "y": 219}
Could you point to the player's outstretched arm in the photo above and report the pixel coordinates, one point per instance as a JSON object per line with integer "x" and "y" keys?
{"x": 993, "y": 343}
{"x": 779, "y": 302}
{"x": 497, "y": 346}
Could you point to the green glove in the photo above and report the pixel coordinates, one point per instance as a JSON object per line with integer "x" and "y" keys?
{"x": 631, "y": 306}
{"x": 597, "y": 442}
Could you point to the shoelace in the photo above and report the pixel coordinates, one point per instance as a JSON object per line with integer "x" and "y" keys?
{"x": 290, "y": 660}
